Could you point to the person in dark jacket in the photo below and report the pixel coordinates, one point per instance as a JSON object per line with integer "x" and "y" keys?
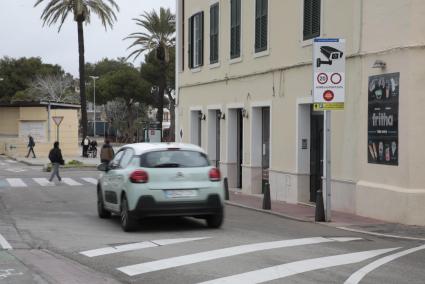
{"x": 31, "y": 145}
{"x": 55, "y": 157}
{"x": 106, "y": 153}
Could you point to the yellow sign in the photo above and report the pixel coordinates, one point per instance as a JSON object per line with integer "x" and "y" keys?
{"x": 328, "y": 106}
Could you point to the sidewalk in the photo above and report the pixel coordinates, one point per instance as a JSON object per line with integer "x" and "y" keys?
{"x": 345, "y": 221}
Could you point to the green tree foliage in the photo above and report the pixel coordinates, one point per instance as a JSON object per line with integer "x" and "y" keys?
{"x": 18, "y": 74}
{"x": 157, "y": 36}
{"x": 125, "y": 87}
{"x": 57, "y": 11}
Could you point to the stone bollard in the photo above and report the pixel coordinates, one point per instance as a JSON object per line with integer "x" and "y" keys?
{"x": 267, "y": 203}
{"x": 320, "y": 210}
{"x": 226, "y": 189}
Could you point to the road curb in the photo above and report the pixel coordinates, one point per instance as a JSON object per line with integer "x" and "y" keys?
{"x": 324, "y": 223}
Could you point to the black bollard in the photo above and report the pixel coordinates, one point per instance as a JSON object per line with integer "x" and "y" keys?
{"x": 267, "y": 203}
{"x": 226, "y": 189}
{"x": 320, "y": 210}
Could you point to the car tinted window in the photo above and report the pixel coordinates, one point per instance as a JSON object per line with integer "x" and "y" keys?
{"x": 126, "y": 158}
{"x": 174, "y": 159}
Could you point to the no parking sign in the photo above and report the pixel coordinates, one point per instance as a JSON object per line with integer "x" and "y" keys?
{"x": 328, "y": 73}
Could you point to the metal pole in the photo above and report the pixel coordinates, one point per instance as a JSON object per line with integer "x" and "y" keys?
{"x": 57, "y": 133}
{"x": 94, "y": 108}
{"x": 327, "y": 165}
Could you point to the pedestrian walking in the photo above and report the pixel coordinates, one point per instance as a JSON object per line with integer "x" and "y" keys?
{"x": 85, "y": 143}
{"x": 55, "y": 157}
{"x": 31, "y": 145}
{"x": 106, "y": 153}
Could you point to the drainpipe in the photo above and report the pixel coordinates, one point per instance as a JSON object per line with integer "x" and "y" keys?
{"x": 48, "y": 121}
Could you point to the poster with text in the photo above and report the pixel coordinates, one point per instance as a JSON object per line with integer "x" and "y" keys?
{"x": 383, "y": 97}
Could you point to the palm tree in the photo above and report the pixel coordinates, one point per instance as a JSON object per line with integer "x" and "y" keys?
{"x": 158, "y": 36}
{"x": 57, "y": 11}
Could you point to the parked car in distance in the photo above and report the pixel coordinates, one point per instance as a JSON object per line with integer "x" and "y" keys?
{"x": 160, "y": 179}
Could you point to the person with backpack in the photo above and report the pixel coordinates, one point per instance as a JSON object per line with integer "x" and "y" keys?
{"x": 31, "y": 145}
{"x": 55, "y": 156}
{"x": 106, "y": 153}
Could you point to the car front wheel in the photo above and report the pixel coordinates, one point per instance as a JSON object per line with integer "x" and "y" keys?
{"x": 101, "y": 211}
{"x": 127, "y": 223}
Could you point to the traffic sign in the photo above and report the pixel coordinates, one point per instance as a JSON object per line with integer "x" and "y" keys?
{"x": 57, "y": 120}
{"x": 329, "y": 73}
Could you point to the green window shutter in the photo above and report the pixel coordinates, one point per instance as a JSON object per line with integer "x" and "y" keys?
{"x": 201, "y": 39}
{"x": 190, "y": 42}
{"x": 235, "y": 28}
{"x": 311, "y": 25}
{"x": 214, "y": 32}
{"x": 261, "y": 22}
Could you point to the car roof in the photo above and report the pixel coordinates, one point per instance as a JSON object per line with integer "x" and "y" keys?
{"x": 141, "y": 148}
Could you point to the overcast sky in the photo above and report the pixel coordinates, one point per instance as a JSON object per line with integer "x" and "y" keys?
{"x": 22, "y": 33}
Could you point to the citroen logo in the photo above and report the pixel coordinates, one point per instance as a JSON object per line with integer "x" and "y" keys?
{"x": 179, "y": 175}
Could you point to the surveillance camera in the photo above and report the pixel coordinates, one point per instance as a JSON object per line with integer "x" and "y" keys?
{"x": 330, "y": 53}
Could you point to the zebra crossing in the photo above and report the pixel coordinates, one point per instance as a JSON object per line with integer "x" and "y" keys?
{"x": 44, "y": 182}
{"x": 264, "y": 274}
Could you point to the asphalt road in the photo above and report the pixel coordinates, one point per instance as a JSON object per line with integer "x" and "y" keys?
{"x": 51, "y": 234}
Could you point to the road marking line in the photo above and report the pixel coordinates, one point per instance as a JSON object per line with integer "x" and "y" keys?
{"x": 381, "y": 234}
{"x": 357, "y": 276}
{"x": 137, "y": 246}
{"x": 15, "y": 170}
{"x": 2, "y": 164}
{"x": 298, "y": 267}
{"x": 222, "y": 253}
{"x": 11, "y": 161}
{"x": 16, "y": 182}
{"x": 90, "y": 180}
{"x": 43, "y": 182}
{"x": 4, "y": 243}
{"x": 71, "y": 182}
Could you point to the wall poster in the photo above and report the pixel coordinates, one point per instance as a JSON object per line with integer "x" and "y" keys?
{"x": 37, "y": 129}
{"x": 383, "y": 94}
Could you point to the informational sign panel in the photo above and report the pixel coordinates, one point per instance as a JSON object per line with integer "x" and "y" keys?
{"x": 37, "y": 129}
{"x": 383, "y": 97}
{"x": 328, "y": 73}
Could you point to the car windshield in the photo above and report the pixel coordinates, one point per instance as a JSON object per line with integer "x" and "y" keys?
{"x": 174, "y": 159}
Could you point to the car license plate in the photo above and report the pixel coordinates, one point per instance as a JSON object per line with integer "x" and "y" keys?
{"x": 181, "y": 193}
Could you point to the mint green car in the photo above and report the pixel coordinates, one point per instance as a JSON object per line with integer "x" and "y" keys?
{"x": 160, "y": 179}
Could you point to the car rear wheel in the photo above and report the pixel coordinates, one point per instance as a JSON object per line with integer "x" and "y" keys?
{"x": 215, "y": 220}
{"x": 127, "y": 223}
{"x": 101, "y": 211}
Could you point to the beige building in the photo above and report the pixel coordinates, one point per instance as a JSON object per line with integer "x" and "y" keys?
{"x": 19, "y": 120}
{"x": 244, "y": 75}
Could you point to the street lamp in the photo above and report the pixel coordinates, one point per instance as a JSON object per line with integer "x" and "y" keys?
{"x": 94, "y": 104}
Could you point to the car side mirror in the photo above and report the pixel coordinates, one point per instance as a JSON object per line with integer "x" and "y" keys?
{"x": 103, "y": 167}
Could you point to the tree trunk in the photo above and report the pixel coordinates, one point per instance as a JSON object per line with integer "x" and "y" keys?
{"x": 172, "y": 117}
{"x": 161, "y": 92}
{"x": 81, "y": 62}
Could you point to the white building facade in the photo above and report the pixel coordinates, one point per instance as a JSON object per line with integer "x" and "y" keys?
{"x": 244, "y": 81}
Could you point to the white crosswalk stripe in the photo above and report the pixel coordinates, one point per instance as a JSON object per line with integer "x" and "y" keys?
{"x": 90, "y": 180}
{"x": 16, "y": 182}
{"x": 71, "y": 182}
{"x": 173, "y": 262}
{"x": 137, "y": 246}
{"x": 43, "y": 182}
{"x": 11, "y": 161}
{"x": 298, "y": 267}
{"x": 2, "y": 164}
{"x": 4, "y": 243}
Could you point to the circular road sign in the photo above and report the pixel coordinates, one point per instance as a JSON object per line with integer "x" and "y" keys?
{"x": 328, "y": 95}
{"x": 336, "y": 78}
{"x": 322, "y": 78}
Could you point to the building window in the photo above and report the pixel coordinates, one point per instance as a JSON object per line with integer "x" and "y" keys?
{"x": 311, "y": 26}
{"x": 235, "y": 29}
{"x": 196, "y": 40}
{"x": 261, "y": 25}
{"x": 214, "y": 31}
